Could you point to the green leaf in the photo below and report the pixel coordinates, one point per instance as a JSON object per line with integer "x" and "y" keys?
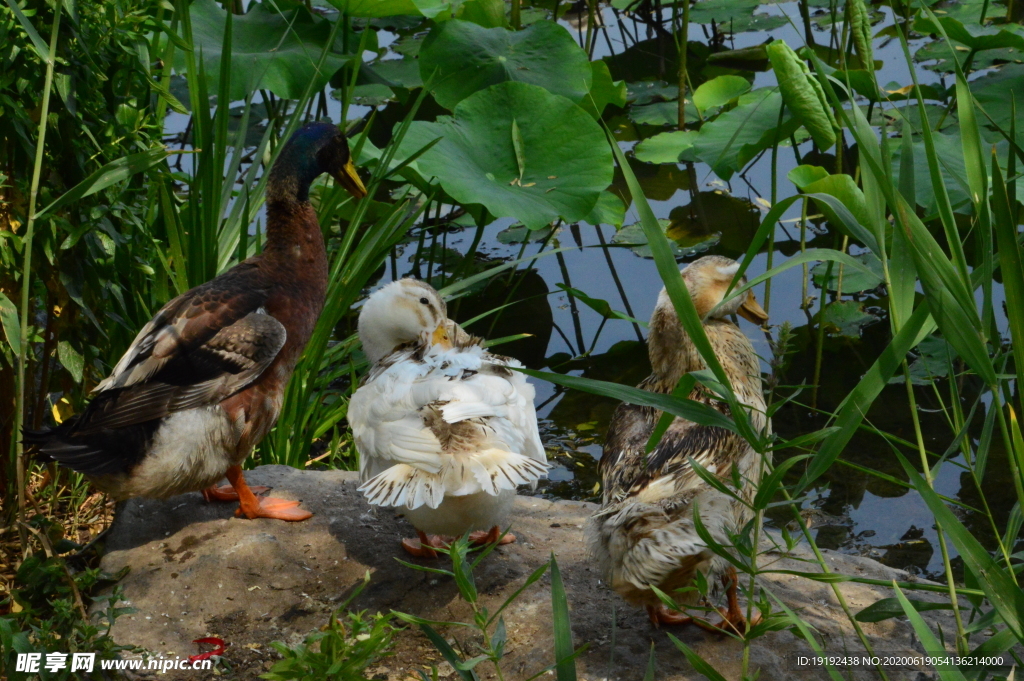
{"x": 666, "y": 147}
{"x": 739, "y": 134}
{"x": 647, "y": 91}
{"x": 888, "y": 608}
{"x": 973, "y": 35}
{"x": 269, "y": 50}
{"x": 854, "y": 281}
{"x": 681, "y": 242}
{"x": 609, "y": 210}
{"x": 601, "y": 307}
{"x": 110, "y": 174}
{"x": 803, "y": 94}
{"x": 10, "y": 323}
{"x": 856, "y": 404}
{"x": 684, "y": 408}
{"x": 999, "y": 587}
{"x": 804, "y": 175}
{"x": 951, "y": 302}
{"x": 517, "y": 146}
{"x": 701, "y": 665}
{"x": 603, "y": 90}
{"x": 660, "y": 113}
{"x": 72, "y": 360}
{"x": 38, "y": 44}
{"x": 459, "y": 58}
{"x": 734, "y": 16}
{"x": 565, "y": 663}
{"x": 770, "y": 484}
{"x": 991, "y": 89}
{"x": 475, "y": 161}
{"x": 719, "y": 91}
{"x": 931, "y": 645}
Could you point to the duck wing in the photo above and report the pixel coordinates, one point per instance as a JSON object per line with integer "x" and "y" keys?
{"x": 200, "y": 348}
{"x": 455, "y": 423}
{"x": 628, "y": 470}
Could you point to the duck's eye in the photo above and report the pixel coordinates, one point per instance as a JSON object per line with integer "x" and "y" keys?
{"x": 424, "y": 301}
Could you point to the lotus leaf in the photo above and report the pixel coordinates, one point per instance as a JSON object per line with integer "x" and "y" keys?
{"x": 459, "y": 58}
{"x": 734, "y": 16}
{"x": 854, "y": 281}
{"x": 609, "y": 210}
{"x": 803, "y": 94}
{"x": 603, "y": 90}
{"x": 719, "y": 91}
{"x": 647, "y": 91}
{"x": 737, "y": 135}
{"x": 846, "y": 318}
{"x": 661, "y": 113}
{"x": 276, "y": 51}
{"x": 682, "y": 242}
{"x": 991, "y": 92}
{"x": 974, "y": 36}
{"x": 559, "y": 170}
{"x": 667, "y": 147}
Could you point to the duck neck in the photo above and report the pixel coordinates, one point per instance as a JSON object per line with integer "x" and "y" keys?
{"x": 671, "y": 350}
{"x": 292, "y": 226}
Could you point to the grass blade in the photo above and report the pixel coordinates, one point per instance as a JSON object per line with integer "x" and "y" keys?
{"x": 565, "y": 663}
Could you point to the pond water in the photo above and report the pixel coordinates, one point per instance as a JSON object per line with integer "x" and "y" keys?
{"x": 849, "y": 509}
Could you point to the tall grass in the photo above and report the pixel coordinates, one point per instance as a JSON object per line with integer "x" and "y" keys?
{"x": 957, "y": 303}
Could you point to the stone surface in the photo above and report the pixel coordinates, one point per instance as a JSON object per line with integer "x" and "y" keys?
{"x": 197, "y": 571}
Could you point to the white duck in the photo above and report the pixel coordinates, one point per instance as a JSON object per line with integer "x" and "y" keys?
{"x": 445, "y": 430}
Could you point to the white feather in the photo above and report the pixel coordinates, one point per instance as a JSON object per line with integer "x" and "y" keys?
{"x": 402, "y": 463}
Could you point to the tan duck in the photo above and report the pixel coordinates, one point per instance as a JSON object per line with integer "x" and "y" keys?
{"x": 644, "y": 535}
{"x": 445, "y": 430}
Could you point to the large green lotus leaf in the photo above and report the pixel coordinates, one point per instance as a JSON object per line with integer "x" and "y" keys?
{"x": 992, "y": 93}
{"x": 603, "y": 90}
{"x": 973, "y": 35}
{"x": 459, "y": 58}
{"x": 269, "y": 49}
{"x": 719, "y": 91}
{"x": 520, "y": 151}
{"x": 666, "y": 147}
{"x": 737, "y": 135}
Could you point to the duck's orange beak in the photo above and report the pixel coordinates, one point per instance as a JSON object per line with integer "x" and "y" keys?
{"x": 349, "y": 179}
{"x": 751, "y": 311}
{"x": 440, "y": 336}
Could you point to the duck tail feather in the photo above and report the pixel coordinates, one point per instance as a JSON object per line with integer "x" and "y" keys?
{"x": 404, "y": 485}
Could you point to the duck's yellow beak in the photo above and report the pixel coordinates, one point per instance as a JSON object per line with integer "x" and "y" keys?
{"x": 440, "y": 336}
{"x": 349, "y": 179}
{"x": 751, "y": 311}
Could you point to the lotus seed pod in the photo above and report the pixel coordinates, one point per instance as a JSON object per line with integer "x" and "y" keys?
{"x": 803, "y": 94}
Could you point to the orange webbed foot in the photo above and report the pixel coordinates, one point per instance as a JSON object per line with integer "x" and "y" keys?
{"x": 228, "y": 493}
{"x": 277, "y": 509}
{"x": 491, "y": 536}
{"x": 424, "y": 545}
{"x": 662, "y": 615}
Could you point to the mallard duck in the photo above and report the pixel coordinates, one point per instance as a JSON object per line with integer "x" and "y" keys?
{"x": 203, "y": 381}
{"x": 643, "y": 535}
{"x": 445, "y": 430}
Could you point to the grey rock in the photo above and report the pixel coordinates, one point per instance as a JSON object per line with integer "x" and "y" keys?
{"x": 198, "y": 571}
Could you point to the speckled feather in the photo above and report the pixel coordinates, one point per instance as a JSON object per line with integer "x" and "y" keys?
{"x": 644, "y": 533}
